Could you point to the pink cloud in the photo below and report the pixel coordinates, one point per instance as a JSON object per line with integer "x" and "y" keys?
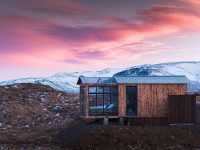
{"x": 192, "y": 2}
{"x": 32, "y": 36}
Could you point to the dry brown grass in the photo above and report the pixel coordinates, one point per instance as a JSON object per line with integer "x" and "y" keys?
{"x": 28, "y": 118}
{"x": 131, "y": 138}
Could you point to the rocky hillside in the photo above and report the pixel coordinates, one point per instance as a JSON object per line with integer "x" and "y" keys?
{"x": 35, "y": 105}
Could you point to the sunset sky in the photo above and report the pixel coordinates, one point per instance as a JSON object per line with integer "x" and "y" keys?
{"x": 43, "y": 37}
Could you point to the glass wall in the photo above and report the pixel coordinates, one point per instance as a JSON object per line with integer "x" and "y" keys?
{"x": 103, "y": 100}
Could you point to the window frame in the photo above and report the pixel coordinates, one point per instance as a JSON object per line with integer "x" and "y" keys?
{"x": 110, "y": 93}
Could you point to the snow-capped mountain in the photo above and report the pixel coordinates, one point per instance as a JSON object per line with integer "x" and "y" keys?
{"x": 190, "y": 69}
{"x": 67, "y": 81}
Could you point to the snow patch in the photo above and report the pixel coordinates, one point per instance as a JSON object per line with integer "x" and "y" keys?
{"x": 67, "y": 82}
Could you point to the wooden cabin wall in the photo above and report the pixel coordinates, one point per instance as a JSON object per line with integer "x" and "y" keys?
{"x": 86, "y": 101}
{"x": 122, "y": 100}
{"x": 152, "y": 98}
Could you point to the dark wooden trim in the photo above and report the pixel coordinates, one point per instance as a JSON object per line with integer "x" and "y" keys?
{"x": 98, "y": 117}
{"x": 86, "y": 101}
{"x": 147, "y": 121}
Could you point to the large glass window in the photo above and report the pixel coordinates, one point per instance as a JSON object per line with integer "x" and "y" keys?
{"x": 99, "y": 89}
{"x": 92, "y": 90}
{"x": 103, "y": 100}
{"x": 114, "y": 89}
{"x": 92, "y": 99}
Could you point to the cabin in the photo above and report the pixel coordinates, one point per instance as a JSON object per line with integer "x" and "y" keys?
{"x": 120, "y": 97}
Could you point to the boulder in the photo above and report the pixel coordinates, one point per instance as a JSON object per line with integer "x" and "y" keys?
{"x": 55, "y": 109}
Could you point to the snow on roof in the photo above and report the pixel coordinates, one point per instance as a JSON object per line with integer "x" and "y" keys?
{"x": 135, "y": 79}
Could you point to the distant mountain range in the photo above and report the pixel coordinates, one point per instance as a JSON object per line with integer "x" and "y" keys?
{"x": 66, "y": 82}
{"x": 190, "y": 69}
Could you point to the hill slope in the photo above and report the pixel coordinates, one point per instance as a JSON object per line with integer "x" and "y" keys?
{"x": 35, "y": 105}
{"x": 65, "y": 82}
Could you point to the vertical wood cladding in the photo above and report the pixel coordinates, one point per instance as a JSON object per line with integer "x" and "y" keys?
{"x": 122, "y": 100}
{"x": 153, "y": 98}
{"x": 182, "y": 109}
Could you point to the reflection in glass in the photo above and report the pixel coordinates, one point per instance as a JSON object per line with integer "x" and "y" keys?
{"x": 99, "y": 89}
{"x": 92, "y": 99}
{"x": 114, "y": 89}
{"x": 92, "y": 89}
{"x": 106, "y": 89}
{"x": 131, "y": 100}
{"x": 104, "y": 102}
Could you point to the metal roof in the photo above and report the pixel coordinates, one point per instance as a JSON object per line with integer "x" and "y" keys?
{"x": 153, "y": 79}
{"x": 136, "y": 79}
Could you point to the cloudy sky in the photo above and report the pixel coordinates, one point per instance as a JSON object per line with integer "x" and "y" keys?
{"x": 42, "y": 37}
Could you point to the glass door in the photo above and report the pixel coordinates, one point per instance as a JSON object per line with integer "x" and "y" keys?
{"x": 131, "y": 100}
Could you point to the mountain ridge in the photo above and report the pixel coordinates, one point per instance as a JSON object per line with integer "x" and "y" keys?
{"x": 66, "y": 82}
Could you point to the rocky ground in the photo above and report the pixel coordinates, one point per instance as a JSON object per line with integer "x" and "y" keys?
{"x": 33, "y": 113}
{"x": 137, "y": 138}
{"x": 38, "y": 117}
